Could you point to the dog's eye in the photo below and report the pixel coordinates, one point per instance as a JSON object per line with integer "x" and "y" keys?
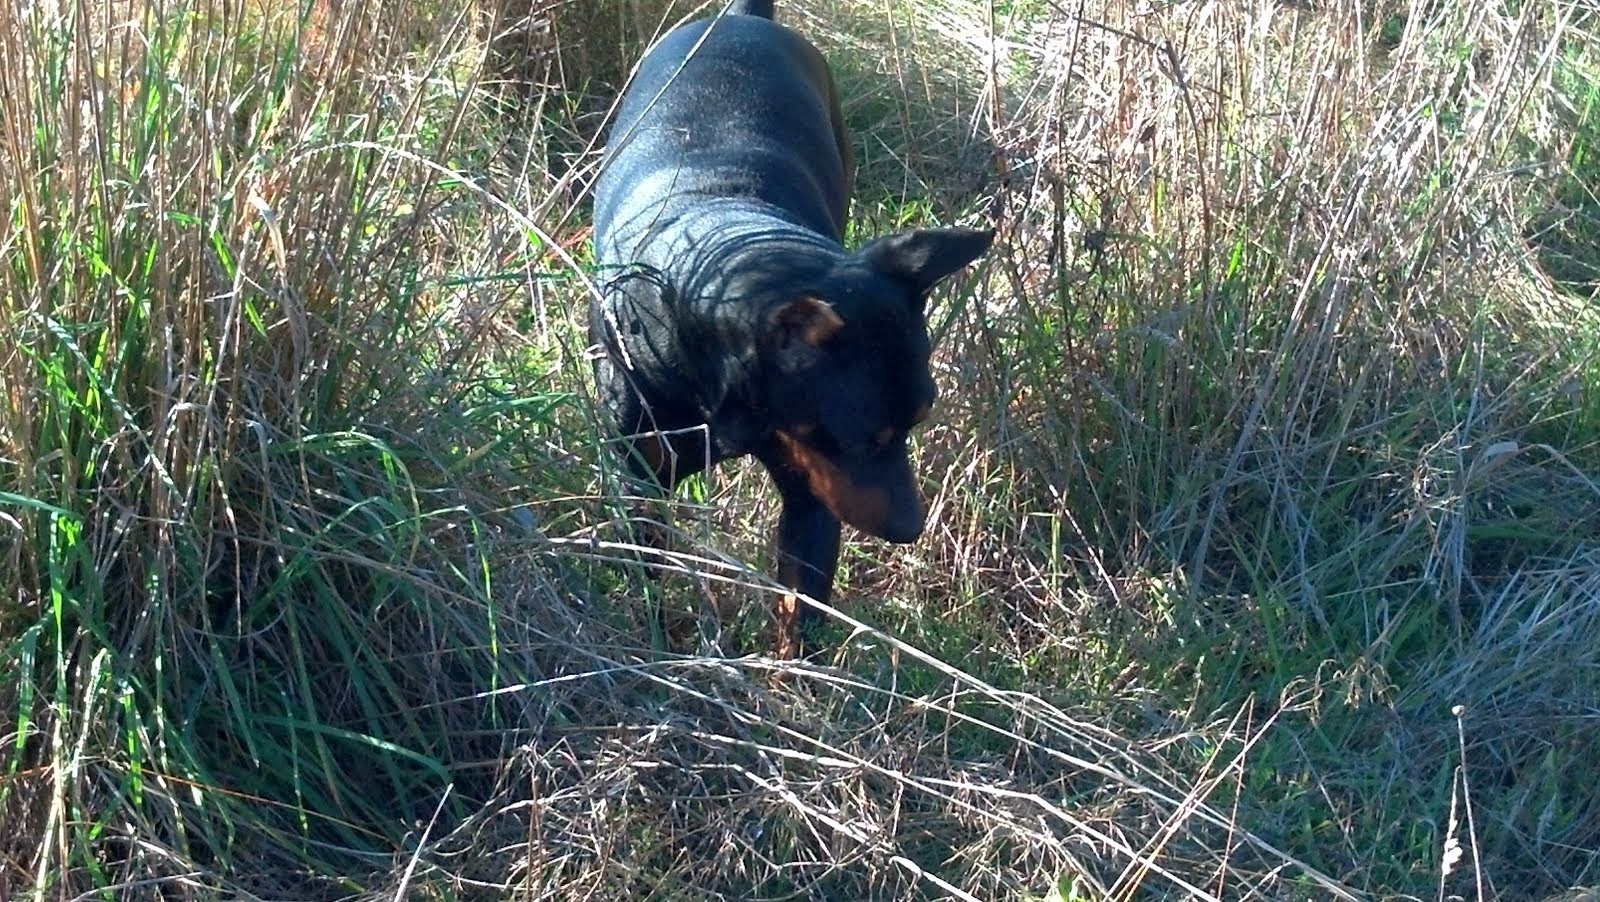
{"x": 884, "y": 437}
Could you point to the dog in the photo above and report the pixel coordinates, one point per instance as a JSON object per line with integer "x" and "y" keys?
{"x": 730, "y": 320}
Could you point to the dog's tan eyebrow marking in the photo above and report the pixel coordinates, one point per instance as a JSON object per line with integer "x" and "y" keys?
{"x": 813, "y": 320}
{"x": 885, "y": 435}
{"x": 921, "y": 414}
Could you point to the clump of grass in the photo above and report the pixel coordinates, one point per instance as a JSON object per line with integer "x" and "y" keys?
{"x": 241, "y": 448}
{"x": 1565, "y": 234}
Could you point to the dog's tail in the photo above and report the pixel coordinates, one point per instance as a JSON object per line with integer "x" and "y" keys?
{"x": 762, "y": 8}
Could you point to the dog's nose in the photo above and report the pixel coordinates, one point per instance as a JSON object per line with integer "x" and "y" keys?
{"x": 904, "y": 523}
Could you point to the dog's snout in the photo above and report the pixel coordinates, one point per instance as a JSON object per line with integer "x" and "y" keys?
{"x": 900, "y": 517}
{"x": 904, "y": 523}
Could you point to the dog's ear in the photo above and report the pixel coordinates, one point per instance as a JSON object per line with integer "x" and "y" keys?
{"x": 922, "y": 257}
{"x": 805, "y": 321}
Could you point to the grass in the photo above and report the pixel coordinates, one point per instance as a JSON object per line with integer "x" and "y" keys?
{"x": 1262, "y": 561}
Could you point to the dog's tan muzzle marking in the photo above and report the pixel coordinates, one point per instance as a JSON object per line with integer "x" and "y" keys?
{"x": 867, "y": 508}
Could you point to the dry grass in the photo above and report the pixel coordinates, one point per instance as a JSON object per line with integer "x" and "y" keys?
{"x": 1262, "y": 558}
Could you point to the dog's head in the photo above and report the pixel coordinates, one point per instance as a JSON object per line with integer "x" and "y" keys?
{"x": 847, "y": 375}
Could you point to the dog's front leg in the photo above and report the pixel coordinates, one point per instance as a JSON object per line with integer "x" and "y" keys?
{"x": 808, "y": 551}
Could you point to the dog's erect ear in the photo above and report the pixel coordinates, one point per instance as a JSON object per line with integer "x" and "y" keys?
{"x": 806, "y": 320}
{"x": 921, "y": 257}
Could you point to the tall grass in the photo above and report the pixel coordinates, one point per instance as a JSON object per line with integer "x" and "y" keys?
{"x": 244, "y": 502}
{"x": 1281, "y": 404}
{"x": 1264, "y": 542}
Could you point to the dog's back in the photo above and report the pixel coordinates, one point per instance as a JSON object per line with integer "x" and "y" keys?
{"x": 735, "y": 106}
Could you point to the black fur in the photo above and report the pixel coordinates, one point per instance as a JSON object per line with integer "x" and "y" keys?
{"x": 762, "y": 8}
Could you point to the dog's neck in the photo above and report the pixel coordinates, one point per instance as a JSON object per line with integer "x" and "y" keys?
{"x": 735, "y": 260}
{"x": 733, "y": 267}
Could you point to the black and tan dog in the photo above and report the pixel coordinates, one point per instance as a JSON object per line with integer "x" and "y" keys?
{"x": 731, "y": 319}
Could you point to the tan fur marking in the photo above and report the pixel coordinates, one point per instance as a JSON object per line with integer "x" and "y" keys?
{"x": 812, "y": 318}
{"x": 657, "y": 455}
{"x": 865, "y": 508}
{"x": 786, "y": 644}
